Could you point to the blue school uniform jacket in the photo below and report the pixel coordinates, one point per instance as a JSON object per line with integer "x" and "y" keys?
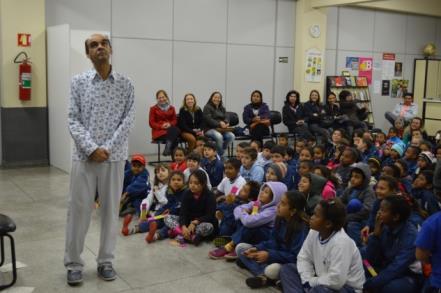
{"x": 427, "y": 200}
{"x": 174, "y": 200}
{"x": 214, "y": 169}
{"x": 278, "y": 250}
{"x": 391, "y": 254}
{"x": 137, "y": 187}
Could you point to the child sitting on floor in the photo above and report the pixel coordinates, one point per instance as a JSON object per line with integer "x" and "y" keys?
{"x": 422, "y": 191}
{"x": 428, "y": 251}
{"x": 311, "y": 186}
{"x": 254, "y": 220}
{"x": 136, "y": 186}
{"x": 156, "y": 198}
{"x": 265, "y": 259}
{"x": 226, "y": 205}
{"x": 330, "y": 189}
{"x": 193, "y": 164}
{"x": 276, "y": 172}
{"x": 250, "y": 170}
{"x": 197, "y": 220}
{"x": 358, "y": 198}
{"x": 391, "y": 248}
{"x": 179, "y": 160}
{"x": 329, "y": 260}
{"x": 232, "y": 179}
{"x": 264, "y": 157}
{"x": 212, "y": 164}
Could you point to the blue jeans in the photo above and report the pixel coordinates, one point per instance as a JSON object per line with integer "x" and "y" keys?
{"x": 406, "y": 284}
{"x": 292, "y": 283}
{"x": 257, "y": 269}
{"x": 250, "y": 235}
{"x": 222, "y": 139}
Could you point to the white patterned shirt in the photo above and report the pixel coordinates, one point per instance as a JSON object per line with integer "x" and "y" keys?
{"x": 101, "y": 114}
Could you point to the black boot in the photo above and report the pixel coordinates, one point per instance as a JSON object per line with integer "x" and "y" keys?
{"x": 168, "y": 149}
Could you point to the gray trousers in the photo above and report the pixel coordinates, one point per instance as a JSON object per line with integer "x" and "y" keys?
{"x": 85, "y": 179}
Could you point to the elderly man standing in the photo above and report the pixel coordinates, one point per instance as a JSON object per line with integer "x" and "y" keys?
{"x": 101, "y": 114}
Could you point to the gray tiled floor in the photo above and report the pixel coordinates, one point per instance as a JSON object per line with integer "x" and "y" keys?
{"x": 36, "y": 199}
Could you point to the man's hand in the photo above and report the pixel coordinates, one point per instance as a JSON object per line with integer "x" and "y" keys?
{"x": 99, "y": 155}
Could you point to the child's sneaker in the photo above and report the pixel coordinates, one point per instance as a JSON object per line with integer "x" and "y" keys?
{"x": 231, "y": 255}
{"x": 126, "y": 222}
{"x": 196, "y": 240}
{"x": 151, "y": 235}
{"x": 217, "y": 253}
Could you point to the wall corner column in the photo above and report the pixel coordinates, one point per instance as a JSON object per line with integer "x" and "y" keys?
{"x": 306, "y": 17}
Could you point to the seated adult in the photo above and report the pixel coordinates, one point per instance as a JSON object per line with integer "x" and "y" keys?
{"x": 216, "y": 123}
{"x": 416, "y": 123}
{"x": 406, "y": 110}
{"x": 354, "y": 112}
{"x": 163, "y": 120}
{"x": 314, "y": 114}
{"x": 190, "y": 121}
{"x": 256, "y": 116}
{"x": 293, "y": 115}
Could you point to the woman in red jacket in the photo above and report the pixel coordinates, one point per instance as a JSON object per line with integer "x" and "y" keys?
{"x": 163, "y": 120}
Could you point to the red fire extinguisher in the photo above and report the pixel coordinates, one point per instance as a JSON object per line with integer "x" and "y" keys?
{"x": 24, "y": 77}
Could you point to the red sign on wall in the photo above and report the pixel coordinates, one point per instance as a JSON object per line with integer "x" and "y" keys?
{"x": 23, "y": 40}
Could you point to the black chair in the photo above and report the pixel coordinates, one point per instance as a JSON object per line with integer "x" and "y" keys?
{"x": 275, "y": 119}
{"x": 233, "y": 119}
{"x": 159, "y": 142}
{"x": 7, "y": 226}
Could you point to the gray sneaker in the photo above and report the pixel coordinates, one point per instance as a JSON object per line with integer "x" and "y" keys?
{"x": 106, "y": 272}
{"x": 74, "y": 277}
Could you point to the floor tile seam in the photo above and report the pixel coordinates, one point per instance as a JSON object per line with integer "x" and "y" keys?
{"x": 22, "y": 190}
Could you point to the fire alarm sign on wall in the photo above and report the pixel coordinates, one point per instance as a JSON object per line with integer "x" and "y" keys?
{"x": 24, "y": 40}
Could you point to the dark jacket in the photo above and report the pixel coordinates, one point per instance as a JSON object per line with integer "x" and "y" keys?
{"x": 188, "y": 122}
{"x": 202, "y": 209}
{"x": 426, "y": 200}
{"x": 290, "y": 115}
{"x": 174, "y": 200}
{"x": 137, "y": 187}
{"x": 390, "y": 254}
{"x": 350, "y": 109}
{"x": 214, "y": 169}
{"x": 344, "y": 173}
{"x": 364, "y": 193}
{"x": 213, "y": 115}
{"x": 313, "y": 112}
{"x": 278, "y": 250}
{"x": 315, "y": 194}
{"x": 248, "y": 115}
{"x": 332, "y": 110}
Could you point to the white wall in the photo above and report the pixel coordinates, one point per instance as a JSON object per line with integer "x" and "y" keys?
{"x": 369, "y": 33}
{"x": 200, "y": 46}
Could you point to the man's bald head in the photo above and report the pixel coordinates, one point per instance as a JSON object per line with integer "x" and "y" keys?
{"x": 96, "y": 39}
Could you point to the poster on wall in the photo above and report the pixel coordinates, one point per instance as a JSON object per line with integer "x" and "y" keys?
{"x": 385, "y": 88}
{"x": 388, "y": 66}
{"x": 398, "y": 71}
{"x": 352, "y": 63}
{"x": 314, "y": 61}
{"x": 399, "y": 87}
{"x": 365, "y": 68}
